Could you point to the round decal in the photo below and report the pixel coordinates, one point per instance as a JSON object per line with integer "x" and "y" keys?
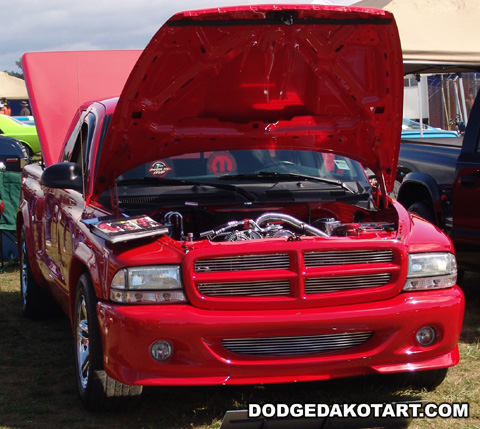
{"x": 159, "y": 169}
{"x": 221, "y": 163}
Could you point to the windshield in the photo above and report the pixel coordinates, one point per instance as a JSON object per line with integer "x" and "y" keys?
{"x": 244, "y": 165}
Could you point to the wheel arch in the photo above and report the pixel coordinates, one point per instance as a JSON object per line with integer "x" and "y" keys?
{"x": 19, "y": 224}
{"x": 421, "y": 187}
{"x": 23, "y": 223}
{"x": 83, "y": 261}
{"x": 28, "y": 147}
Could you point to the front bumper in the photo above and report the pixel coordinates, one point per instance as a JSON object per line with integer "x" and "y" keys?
{"x": 200, "y": 358}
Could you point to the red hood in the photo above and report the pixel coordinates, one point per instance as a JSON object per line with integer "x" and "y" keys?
{"x": 284, "y": 76}
{"x": 59, "y": 83}
{"x": 308, "y": 77}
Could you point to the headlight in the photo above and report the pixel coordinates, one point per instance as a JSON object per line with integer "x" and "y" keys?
{"x": 148, "y": 285}
{"x": 431, "y": 271}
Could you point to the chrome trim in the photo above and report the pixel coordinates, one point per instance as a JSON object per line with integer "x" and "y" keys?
{"x": 268, "y": 261}
{"x": 253, "y": 288}
{"x": 297, "y": 345}
{"x": 347, "y": 257}
{"x": 343, "y": 283}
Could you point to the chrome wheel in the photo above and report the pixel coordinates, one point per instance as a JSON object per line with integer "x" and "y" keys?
{"x": 97, "y": 390}
{"x": 82, "y": 343}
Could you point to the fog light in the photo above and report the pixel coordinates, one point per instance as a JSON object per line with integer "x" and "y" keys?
{"x": 426, "y": 336}
{"x": 161, "y": 350}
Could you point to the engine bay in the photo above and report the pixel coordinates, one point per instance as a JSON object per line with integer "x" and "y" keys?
{"x": 277, "y": 225}
{"x": 288, "y": 222}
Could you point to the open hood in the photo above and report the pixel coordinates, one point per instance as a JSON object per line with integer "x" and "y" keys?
{"x": 287, "y": 76}
{"x": 59, "y": 83}
{"x": 310, "y": 77}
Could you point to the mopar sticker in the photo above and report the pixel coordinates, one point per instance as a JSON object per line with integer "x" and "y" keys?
{"x": 221, "y": 163}
{"x": 159, "y": 169}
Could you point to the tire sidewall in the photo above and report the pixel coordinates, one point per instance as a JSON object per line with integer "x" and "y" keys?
{"x": 423, "y": 210}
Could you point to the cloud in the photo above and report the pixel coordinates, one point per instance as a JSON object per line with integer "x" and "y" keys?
{"x": 56, "y": 25}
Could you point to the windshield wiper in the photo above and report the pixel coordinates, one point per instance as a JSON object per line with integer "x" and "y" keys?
{"x": 285, "y": 176}
{"x": 162, "y": 181}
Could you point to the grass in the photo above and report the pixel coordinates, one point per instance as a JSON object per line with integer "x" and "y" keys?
{"x": 37, "y": 384}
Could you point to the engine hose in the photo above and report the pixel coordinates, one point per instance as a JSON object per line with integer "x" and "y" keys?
{"x": 296, "y": 223}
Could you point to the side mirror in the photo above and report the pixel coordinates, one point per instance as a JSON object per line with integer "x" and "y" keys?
{"x": 65, "y": 175}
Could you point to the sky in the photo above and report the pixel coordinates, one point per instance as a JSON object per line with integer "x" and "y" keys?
{"x": 70, "y": 25}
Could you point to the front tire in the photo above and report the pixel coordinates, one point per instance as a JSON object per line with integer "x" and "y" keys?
{"x": 98, "y": 391}
{"x": 28, "y": 150}
{"x": 422, "y": 209}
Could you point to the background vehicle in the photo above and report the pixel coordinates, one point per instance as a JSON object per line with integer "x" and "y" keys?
{"x": 411, "y": 130}
{"x": 28, "y": 120}
{"x": 439, "y": 179}
{"x": 26, "y": 134}
{"x": 12, "y": 154}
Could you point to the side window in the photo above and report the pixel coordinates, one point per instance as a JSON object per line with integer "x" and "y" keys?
{"x": 67, "y": 153}
{"x": 77, "y": 147}
{"x": 78, "y": 154}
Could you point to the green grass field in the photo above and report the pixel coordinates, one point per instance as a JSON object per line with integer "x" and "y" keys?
{"x": 38, "y": 390}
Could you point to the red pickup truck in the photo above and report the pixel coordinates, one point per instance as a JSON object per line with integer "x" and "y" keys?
{"x": 207, "y": 218}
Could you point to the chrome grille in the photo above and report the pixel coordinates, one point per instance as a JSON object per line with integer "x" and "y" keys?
{"x": 298, "y": 345}
{"x": 342, "y": 283}
{"x": 254, "y": 288}
{"x": 321, "y": 259}
{"x": 272, "y": 261}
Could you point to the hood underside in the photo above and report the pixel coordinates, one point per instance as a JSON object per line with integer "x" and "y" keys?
{"x": 287, "y": 76}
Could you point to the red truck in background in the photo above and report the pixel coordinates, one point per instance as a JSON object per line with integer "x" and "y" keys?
{"x": 212, "y": 222}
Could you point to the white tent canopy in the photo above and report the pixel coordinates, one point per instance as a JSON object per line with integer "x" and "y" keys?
{"x": 12, "y": 88}
{"x": 436, "y": 35}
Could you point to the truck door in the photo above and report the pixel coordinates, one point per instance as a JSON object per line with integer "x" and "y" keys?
{"x": 63, "y": 208}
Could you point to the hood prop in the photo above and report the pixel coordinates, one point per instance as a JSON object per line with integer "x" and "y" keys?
{"x": 114, "y": 200}
{"x": 383, "y": 189}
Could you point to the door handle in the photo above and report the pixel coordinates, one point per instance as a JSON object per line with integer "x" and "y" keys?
{"x": 469, "y": 181}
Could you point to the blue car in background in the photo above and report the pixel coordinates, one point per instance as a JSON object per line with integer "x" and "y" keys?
{"x": 28, "y": 120}
{"x": 411, "y": 130}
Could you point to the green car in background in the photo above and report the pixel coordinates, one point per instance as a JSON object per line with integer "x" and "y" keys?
{"x": 26, "y": 134}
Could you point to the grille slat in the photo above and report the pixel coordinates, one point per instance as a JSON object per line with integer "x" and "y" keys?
{"x": 336, "y": 284}
{"x": 255, "y": 288}
{"x": 321, "y": 259}
{"x": 299, "y": 345}
{"x": 273, "y": 261}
